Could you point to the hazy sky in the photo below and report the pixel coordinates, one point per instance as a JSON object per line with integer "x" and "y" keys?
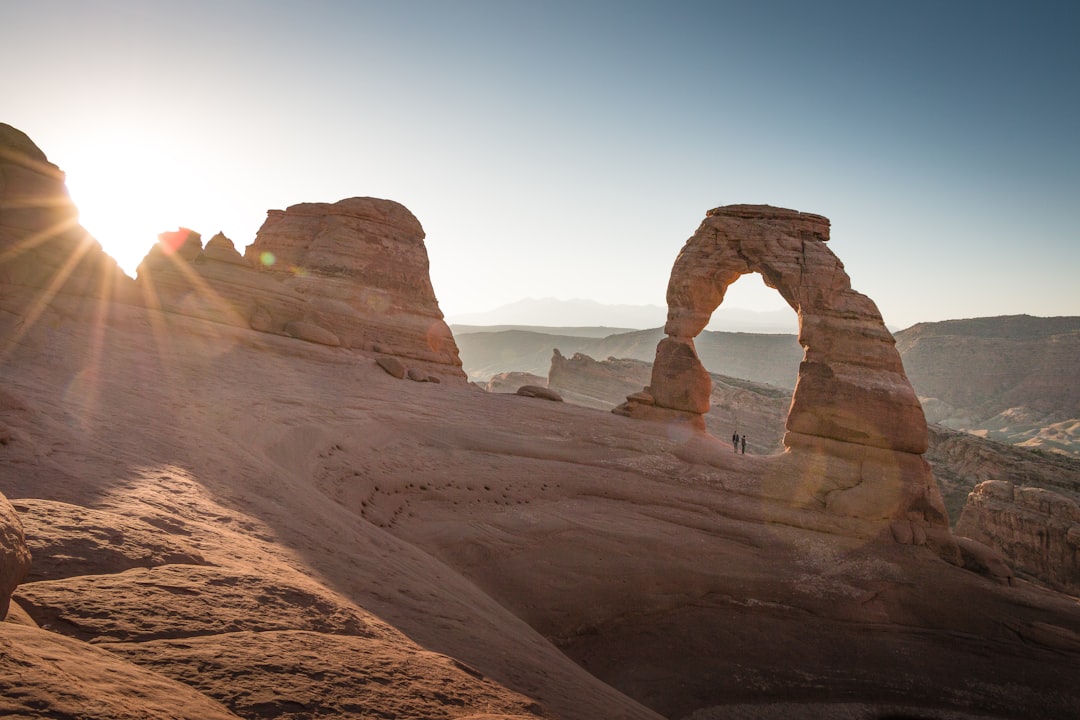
{"x": 569, "y": 149}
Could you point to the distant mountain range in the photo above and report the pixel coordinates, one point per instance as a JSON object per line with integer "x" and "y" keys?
{"x": 550, "y": 313}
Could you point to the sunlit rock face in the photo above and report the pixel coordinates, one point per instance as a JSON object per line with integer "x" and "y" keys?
{"x": 42, "y": 245}
{"x": 363, "y": 267}
{"x": 855, "y": 429}
{"x": 14, "y": 555}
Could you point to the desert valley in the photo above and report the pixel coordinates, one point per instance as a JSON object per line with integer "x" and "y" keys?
{"x": 274, "y": 483}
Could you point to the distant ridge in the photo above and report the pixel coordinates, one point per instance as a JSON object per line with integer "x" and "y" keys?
{"x": 762, "y": 357}
{"x": 550, "y": 313}
{"x": 585, "y": 332}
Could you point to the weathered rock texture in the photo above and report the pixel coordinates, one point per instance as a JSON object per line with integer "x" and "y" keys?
{"x": 329, "y": 302}
{"x": 42, "y": 245}
{"x": 14, "y": 555}
{"x": 363, "y": 266}
{"x": 1037, "y": 529}
{"x": 855, "y": 426}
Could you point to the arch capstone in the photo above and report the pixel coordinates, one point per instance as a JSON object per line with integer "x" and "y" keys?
{"x": 855, "y": 430}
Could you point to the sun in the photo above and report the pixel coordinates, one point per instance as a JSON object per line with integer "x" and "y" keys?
{"x": 129, "y": 188}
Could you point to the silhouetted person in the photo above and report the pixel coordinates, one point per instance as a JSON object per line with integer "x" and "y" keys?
{"x": 735, "y": 442}
{"x": 743, "y": 444}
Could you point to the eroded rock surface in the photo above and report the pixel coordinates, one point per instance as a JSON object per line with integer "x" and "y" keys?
{"x": 14, "y": 555}
{"x": 363, "y": 266}
{"x": 1037, "y": 529}
{"x": 855, "y": 427}
{"x": 353, "y": 274}
{"x": 45, "y": 675}
{"x": 71, "y": 540}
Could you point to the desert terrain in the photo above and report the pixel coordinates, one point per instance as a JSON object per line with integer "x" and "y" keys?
{"x": 240, "y": 508}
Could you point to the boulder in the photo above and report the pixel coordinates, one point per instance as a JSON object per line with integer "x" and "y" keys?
{"x": 392, "y": 365}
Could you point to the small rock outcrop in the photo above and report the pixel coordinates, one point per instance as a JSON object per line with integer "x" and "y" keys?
{"x": 1037, "y": 529}
{"x": 855, "y": 429}
{"x": 509, "y": 382}
{"x": 14, "y": 555}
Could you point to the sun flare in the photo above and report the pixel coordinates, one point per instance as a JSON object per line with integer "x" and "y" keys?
{"x": 128, "y": 189}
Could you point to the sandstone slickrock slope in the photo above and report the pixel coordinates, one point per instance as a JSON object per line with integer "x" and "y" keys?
{"x": 855, "y": 429}
{"x": 304, "y": 535}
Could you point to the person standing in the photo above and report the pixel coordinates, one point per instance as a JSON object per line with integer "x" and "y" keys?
{"x": 743, "y": 439}
{"x": 735, "y": 442}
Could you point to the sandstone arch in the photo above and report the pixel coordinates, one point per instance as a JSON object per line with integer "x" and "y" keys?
{"x": 855, "y": 429}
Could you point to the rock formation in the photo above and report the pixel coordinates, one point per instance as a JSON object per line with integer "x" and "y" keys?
{"x": 539, "y": 391}
{"x": 509, "y": 382}
{"x": 855, "y": 429}
{"x": 14, "y": 555}
{"x": 329, "y": 303}
{"x": 1037, "y": 529}
{"x": 42, "y": 245}
{"x": 362, "y": 264}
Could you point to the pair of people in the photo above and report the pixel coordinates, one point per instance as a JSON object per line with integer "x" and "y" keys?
{"x": 736, "y": 439}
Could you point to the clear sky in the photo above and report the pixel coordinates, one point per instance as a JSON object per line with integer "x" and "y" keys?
{"x": 569, "y": 149}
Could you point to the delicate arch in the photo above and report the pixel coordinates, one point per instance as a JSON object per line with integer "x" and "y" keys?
{"x": 851, "y": 384}
{"x": 855, "y": 424}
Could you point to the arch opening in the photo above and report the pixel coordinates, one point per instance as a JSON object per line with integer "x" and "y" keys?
{"x": 752, "y": 357}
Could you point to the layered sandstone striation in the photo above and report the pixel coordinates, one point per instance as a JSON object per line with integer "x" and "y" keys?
{"x": 1037, "y": 529}
{"x": 363, "y": 267}
{"x": 855, "y": 429}
{"x": 14, "y": 555}
{"x": 353, "y": 274}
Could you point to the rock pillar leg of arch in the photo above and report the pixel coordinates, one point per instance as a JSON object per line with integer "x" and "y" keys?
{"x": 680, "y": 387}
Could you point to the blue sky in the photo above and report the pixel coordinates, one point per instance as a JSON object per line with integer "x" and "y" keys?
{"x": 569, "y": 149}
